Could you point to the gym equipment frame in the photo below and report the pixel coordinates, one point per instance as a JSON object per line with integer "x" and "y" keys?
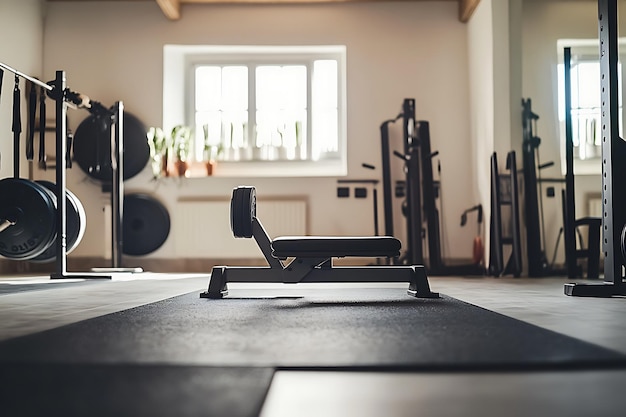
{"x": 64, "y": 98}
{"x": 311, "y": 256}
{"x": 421, "y": 191}
{"x": 570, "y": 223}
{"x": 496, "y": 258}
{"x": 613, "y": 167}
{"x": 431, "y": 191}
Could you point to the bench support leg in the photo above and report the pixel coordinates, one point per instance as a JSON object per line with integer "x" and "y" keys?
{"x": 218, "y": 287}
{"x": 415, "y": 276}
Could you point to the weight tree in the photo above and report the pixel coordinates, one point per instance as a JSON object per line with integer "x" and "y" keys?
{"x": 613, "y": 166}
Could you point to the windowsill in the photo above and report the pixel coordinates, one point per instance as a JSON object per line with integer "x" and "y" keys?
{"x": 267, "y": 169}
{"x": 591, "y": 166}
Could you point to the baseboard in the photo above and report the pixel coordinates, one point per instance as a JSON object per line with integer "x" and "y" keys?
{"x": 80, "y": 264}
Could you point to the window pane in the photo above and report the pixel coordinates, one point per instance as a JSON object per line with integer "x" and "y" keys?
{"x": 588, "y": 80}
{"x": 325, "y": 112}
{"x": 208, "y": 88}
{"x": 325, "y": 130}
{"x": 281, "y": 100}
{"x": 281, "y": 87}
{"x": 235, "y": 88}
{"x": 221, "y": 108}
{"x": 325, "y": 83}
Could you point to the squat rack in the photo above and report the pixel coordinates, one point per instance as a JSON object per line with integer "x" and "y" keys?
{"x": 64, "y": 98}
{"x": 613, "y": 168}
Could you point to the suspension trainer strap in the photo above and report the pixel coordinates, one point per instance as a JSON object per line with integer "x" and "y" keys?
{"x": 42, "y": 128}
{"x": 16, "y": 128}
{"x": 32, "y": 109}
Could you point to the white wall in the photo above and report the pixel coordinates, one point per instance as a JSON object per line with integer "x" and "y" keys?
{"x": 21, "y": 41}
{"x": 481, "y": 76}
{"x": 113, "y": 51}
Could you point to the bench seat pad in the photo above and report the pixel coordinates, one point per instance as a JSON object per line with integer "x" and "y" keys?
{"x": 335, "y": 246}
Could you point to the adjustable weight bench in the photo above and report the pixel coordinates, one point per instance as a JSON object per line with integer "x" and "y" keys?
{"x": 311, "y": 256}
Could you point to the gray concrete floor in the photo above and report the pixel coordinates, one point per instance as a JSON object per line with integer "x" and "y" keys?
{"x": 301, "y": 393}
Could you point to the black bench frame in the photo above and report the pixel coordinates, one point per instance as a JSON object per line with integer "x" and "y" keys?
{"x": 310, "y": 259}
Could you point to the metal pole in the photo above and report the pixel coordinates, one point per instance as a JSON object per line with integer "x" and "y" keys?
{"x": 569, "y": 229}
{"x": 117, "y": 186}
{"x": 29, "y": 78}
{"x": 412, "y": 143}
{"x": 387, "y": 203}
{"x": 61, "y": 157}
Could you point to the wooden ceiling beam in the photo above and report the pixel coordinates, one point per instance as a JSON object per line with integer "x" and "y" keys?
{"x": 466, "y": 9}
{"x": 170, "y": 8}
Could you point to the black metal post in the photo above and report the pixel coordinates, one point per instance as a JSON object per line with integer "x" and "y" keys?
{"x": 569, "y": 227}
{"x": 117, "y": 186}
{"x": 415, "y": 255}
{"x": 61, "y": 157}
{"x": 514, "y": 264}
{"x": 536, "y": 264}
{"x": 435, "y": 261}
{"x": 387, "y": 203}
{"x": 496, "y": 258}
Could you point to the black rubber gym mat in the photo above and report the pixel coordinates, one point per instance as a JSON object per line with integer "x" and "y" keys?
{"x": 130, "y": 390}
{"x": 343, "y": 328}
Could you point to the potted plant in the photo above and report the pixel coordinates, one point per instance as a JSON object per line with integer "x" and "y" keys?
{"x": 180, "y": 138}
{"x": 211, "y": 151}
{"x": 158, "y": 144}
{"x": 298, "y": 127}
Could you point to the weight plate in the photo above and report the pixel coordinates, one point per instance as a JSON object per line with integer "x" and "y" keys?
{"x": 92, "y": 146}
{"x": 145, "y": 224}
{"x": 76, "y": 220}
{"x": 242, "y": 211}
{"x": 33, "y": 209}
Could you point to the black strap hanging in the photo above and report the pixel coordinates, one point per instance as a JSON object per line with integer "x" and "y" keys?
{"x": 1, "y": 76}
{"x": 68, "y": 148}
{"x": 16, "y": 128}
{"x": 32, "y": 109}
{"x": 42, "y": 129}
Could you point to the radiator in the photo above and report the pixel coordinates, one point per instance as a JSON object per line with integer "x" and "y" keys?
{"x": 201, "y": 228}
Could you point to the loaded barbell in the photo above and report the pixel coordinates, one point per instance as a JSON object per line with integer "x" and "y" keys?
{"x": 28, "y": 226}
{"x": 27, "y": 217}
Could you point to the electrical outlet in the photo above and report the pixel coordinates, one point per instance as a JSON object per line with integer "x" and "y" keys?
{"x": 343, "y": 192}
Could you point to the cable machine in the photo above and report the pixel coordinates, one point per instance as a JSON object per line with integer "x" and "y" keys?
{"x": 421, "y": 191}
{"x": 15, "y": 217}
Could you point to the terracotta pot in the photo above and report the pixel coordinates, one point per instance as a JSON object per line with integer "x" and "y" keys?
{"x": 181, "y": 167}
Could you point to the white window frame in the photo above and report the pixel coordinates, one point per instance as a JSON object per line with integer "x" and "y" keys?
{"x": 179, "y": 62}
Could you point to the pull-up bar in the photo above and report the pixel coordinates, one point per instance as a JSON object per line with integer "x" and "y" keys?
{"x": 28, "y": 77}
